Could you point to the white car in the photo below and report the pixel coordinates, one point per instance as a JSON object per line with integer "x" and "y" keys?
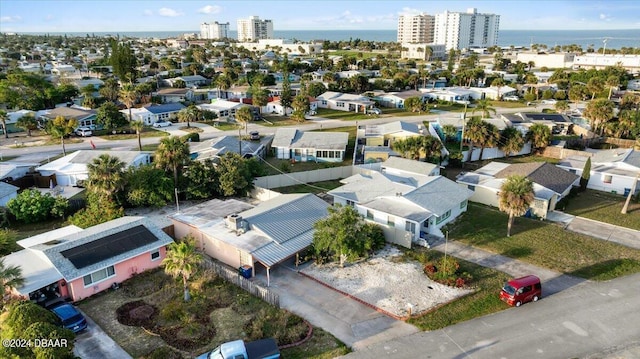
{"x": 511, "y": 98}
{"x": 84, "y": 132}
{"x": 376, "y": 111}
{"x": 548, "y": 102}
{"x": 159, "y": 124}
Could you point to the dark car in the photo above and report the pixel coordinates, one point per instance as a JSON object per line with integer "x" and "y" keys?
{"x": 70, "y": 317}
{"x": 254, "y": 135}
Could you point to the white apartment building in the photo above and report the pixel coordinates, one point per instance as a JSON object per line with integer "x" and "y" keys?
{"x": 214, "y": 30}
{"x": 415, "y": 29}
{"x": 419, "y": 51}
{"x": 464, "y": 30}
{"x": 253, "y": 29}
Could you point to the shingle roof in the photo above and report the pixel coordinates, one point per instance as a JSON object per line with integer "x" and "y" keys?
{"x": 220, "y": 145}
{"x": 439, "y": 195}
{"x": 292, "y": 138}
{"x": 542, "y": 173}
{"x": 164, "y": 108}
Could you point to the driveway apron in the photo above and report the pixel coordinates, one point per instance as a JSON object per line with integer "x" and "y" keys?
{"x": 94, "y": 343}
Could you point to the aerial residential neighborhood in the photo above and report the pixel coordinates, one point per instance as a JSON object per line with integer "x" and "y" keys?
{"x": 419, "y": 179}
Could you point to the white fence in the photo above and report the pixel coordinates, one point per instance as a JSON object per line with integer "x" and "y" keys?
{"x": 491, "y": 153}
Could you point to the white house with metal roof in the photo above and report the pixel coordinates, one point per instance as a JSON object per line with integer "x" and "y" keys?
{"x": 222, "y": 108}
{"x": 75, "y": 263}
{"x": 153, "y": 113}
{"x": 219, "y": 146}
{"x": 613, "y": 170}
{"x": 301, "y": 146}
{"x": 406, "y": 198}
{"x": 345, "y": 102}
{"x": 73, "y": 167}
{"x": 238, "y": 234}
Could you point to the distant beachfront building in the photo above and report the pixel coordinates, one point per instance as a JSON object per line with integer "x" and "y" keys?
{"x": 419, "y": 51}
{"x": 253, "y": 29}
{"x": 214, "y": 30}
{"x": 630, "y": 63}
{"x": 284, "y": 45}
{"x": 460, "y": 30}
{"x": 415, "y": 28}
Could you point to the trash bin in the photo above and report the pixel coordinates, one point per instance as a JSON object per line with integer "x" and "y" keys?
{"x": 245, "y": 271}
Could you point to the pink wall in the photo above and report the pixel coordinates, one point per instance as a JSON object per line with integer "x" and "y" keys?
{"x": 123, "y": 271}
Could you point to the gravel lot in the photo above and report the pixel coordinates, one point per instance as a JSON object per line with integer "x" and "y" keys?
{"x": 387, "y": 285}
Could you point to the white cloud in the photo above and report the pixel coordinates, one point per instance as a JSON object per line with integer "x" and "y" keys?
{"x": 409, "y": 11}
{"x": 5, "y": 19}
{"x": 605, "y": 17}
{"x": 210, "y": 9}
{"x": 165, "y": 11}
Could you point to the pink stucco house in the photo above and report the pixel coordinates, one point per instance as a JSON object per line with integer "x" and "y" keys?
{"x": 74, "y": 263}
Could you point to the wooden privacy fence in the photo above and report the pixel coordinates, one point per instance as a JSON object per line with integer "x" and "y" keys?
{"x": 232, "y": 276}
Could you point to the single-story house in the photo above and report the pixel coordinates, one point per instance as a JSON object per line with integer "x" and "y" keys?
{"x": 613, "y": 170}
{"x": 85, "y": 118}
{"x": 301, "y": 146}
{"x": 222, "y": 108}
{"x": 74, "y": 263}
{"x": 451, "y": 94}
{"x": 13, "y": 117}
{"x": 408, "y": 199}
{"x": 189, "y": 81}
{"x": 219, "y": 146}
{"x": 386, "y": 134}
{"x": 11, "y": 171}
{"x": 173, "y": 95}
{"x": 493, "y": 92}
{"x": 153, "y": 113}
{"x": 558, "y": 123}
{"x": 7, "y": 192}
{"x": 73, "y": 167}
{"x": 397, "y": 99}
{"x": 344, "y": 102}
{"x": 237, "y": 233}
{"x": 550, "y": 184}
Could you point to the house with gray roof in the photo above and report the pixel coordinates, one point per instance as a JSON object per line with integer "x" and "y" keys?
{"x": 408, "y": 203}
{"x": 7, "y": 192}
{"x": 70, "y": 169}
{"x": 219, "y": 146}
{"x": 309, "y": 146}
{"x": 345, "y": 102}
{"x": 550, "y": 184}
{"x": 240, "y": 234}
{"x": 74, "y": 263}
{"x": 153, "y": 113}
{"x": 614, "y": 170}
{"x": 378, "y": 139}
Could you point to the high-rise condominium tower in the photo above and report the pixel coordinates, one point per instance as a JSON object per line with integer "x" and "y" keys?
{"x": 463, "y": 30}
{"x": 415, "y": 28}
{"x": 214, "y": 30}
{"x": 253, "y": 29}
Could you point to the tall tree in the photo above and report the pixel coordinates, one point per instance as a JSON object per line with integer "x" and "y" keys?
{"x": 286, "y": 95}
{"x": 110, "y": 90}
{"x": 188, "y": 114}
{"x": 123, "y": 60}
{"x": 432, "y": 148}
{"x": 60, "y": 128}
{"x": 300, "y": 107}
{"x": 172, "y": 154}
{"x": 109, "y": 116}
{"x": 539, "y": 135}
{"x": 182, "y": 261}
{"x": 562, "y": 106}
{"x": 244, "y": 116}
{"x": 128, "y": 96}
{"x": 414, "y": 104}
{"x": 106, "y": 176}
{"x": 28, "y": 123}
{"x": 450, "y": 132}
{"x": 595, "y": 85}
{"x": 599, "y": 112}
{"x": 491, "y": 137}
{"x": 511, "y": 141}
{"x": 138, "y": 126}
{"x": 3, "y": 120}
{"x": 259, "y": 96}
{"x": 475, "y": 133}
{"x": 485, "y": 108}
{"x": 10, "y": 277}
{"x": 515, "y": 197}
{"x": 234, "y": 177}
{"x": 611, "y": 83}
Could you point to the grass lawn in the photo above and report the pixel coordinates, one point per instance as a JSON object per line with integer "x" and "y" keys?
{"x": 150, "y": 147}
{"x": 507, "y": 104}
{"x": 26, "y": 230}
{"x": 190, "y": 129}
{"x": 276, "y": 166}
{"x": 527, "y": 159}
{"x": 218, "y": 312}
{"x": 356, "y": 53}
{"x": 305, "y": 188}
{"x": 276, "y": 121}
{"x": 345, "y": 116}
{"x": 604, "y": 207}
{"x": 544, "y": 244}
{"x": 146, "y": 132}
{"x": 483, "y": 301}
{"x": 222, "y": 126}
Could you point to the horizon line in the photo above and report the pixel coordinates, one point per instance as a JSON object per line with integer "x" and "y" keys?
{"x": 324, "y": 30}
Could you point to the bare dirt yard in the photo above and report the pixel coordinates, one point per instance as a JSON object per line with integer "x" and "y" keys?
{"x": 386, "y": 283}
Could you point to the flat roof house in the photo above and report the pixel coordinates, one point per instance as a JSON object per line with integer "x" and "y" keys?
{"x": 290, "y": 143}
{"x": 344, "y": 102}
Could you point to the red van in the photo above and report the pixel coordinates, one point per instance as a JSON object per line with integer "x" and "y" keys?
{"x": 521, "y": 290}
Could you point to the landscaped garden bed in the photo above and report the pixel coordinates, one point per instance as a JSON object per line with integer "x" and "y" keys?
{"x": 148, "y": 317}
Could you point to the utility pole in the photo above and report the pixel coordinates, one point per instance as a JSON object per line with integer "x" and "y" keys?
{"x": 631, "y": 193}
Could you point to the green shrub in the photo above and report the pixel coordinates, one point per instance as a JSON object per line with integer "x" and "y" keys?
{"x": 33, "y": 206}
{"x": 163, "y": 353}
{"x": 191, "y": 137}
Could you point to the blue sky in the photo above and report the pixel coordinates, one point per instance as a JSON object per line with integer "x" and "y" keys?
{"x": 138, "y": 15}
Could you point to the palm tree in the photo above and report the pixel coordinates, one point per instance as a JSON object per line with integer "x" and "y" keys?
{"x": 611, "y": 82}
{"x": 182, "y": 260}
{"x": 577, "y": 93}
{"x": 61, "y": 127}
{"x": 128, "y": 96}
{"x": 223, "y": 83}
{"x": 106, "y": 176}
{"x": 515, "y": 197}
{"x": 27, "y": 122}
{"x": 188, "y": 115}
{"x": 485, "y": 107}
{"x": 10, "y": 277}
{"x": 595, "y": 85}
{"x": 3, "y": 120}
{"x": 475, "y": 134}
{"x": 491, "y": 137}
{"x": 449, "y": 131}
{"x": 511, "y": 141}
{"x": 244, "y": 116}
{"x": 599, "y": 112}
{"x": 171, "y": 155}
{"x": 432, "y": 147}
{"x": 562, "y": 106}
{"x": 539, "y": 135}
{"x": 138, "y": 126}
{"x": 498, "y": 82}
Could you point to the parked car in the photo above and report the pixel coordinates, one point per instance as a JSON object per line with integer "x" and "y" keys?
{"x": 376, "y": 111}
{"x": 84, "y": 132}
{"x": 521, "y": 290}
{"x": 548, "y": 102}
{"x": 311, "y": 113}
{"x": 159, "y": 124}
{"x": 511, "y": 98}
{"x": 70, "y": 316}
{"x": 238, "y": 349}
{"x": 254, "y": 135}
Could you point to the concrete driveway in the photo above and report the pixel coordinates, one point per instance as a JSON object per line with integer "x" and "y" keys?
{"x": 94, "y": 343}
{"x": 625, "y": 236}
{"x": 352, "y": 322}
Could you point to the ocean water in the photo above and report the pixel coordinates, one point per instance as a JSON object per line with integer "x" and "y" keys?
{"x": 615, "y": 38}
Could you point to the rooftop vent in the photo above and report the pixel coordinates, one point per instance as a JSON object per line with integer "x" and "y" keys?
{"x": 234, "y": 221}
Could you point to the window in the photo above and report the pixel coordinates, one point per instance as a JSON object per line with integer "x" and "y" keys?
{"x": 410, "y": 226}
{"x": 391, "y": 221}
{"x": 350, "y": 203}
{"x": 473, "y": 188}
{"x": 607, "y": 179}
{"x": 340, "y": 104}
{"x": 443, "y": 217}
{"x": 324, "y": 102}
{"x": 463, "y": 204}
{"x": 99, "y": 275}
{"x": 155, "y": 255}
{"x": 369, "y": 214}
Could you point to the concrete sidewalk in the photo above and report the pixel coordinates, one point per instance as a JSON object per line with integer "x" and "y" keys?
{"x": 553, "y": 282}
{"x": 352, "y": 322}
{"x": 605, "y": 231}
